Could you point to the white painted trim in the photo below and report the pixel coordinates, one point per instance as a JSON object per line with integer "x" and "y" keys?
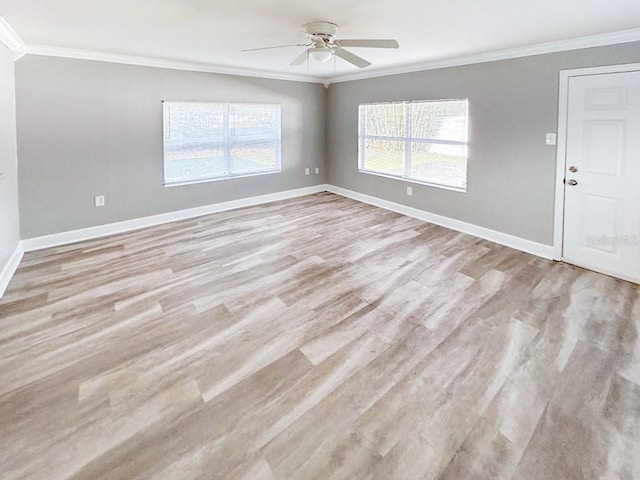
{"x": 534, "y": 248}
{"x": 614, "y": 38}
{"x": 64, "y": 238}
{"x": 166, "y": 63}
{"x": 10, "y": 268}
{"x": 581, "y": 72}
{"x": 561, "y": 165}
{"x": 561, "y": 151}
{"x": 11, "y": 39}
{"x": 412, "y": 180}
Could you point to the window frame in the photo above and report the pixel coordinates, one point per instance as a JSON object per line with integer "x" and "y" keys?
{"x": 228, "y": 142}
{"x": 408, "y": 140}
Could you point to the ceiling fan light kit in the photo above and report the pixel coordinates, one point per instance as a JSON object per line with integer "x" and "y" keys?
{"x": 323, "y": 45}
{"x": 320, "y": 54}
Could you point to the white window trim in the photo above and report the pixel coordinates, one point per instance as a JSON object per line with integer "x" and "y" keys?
{"x": 228, "y": 176}
{"x": 407, "y": 139}
{"x": 414, "y": 181}
{"x": 219, "y": 179}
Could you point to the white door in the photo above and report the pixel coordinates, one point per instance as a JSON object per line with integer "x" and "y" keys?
{"x": 602, "y": 186}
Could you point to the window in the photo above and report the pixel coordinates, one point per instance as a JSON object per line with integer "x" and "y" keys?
{"x": 421, "y": 141}
{"x": 208, "y": 141}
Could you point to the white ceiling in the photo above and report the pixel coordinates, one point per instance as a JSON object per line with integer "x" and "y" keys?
{"x": 214, "y": 31}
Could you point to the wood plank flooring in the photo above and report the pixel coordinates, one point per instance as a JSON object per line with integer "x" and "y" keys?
{"x": 316, "y": 338}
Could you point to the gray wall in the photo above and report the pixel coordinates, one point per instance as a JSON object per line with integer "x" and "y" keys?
{"x": 92, "y": 128}
{"x": 9, "y": 223}
{"x": 512, "y": 104}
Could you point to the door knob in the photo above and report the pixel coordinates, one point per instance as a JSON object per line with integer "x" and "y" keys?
{"x": 572, "y": 182}
{"x": 573, "y": 169}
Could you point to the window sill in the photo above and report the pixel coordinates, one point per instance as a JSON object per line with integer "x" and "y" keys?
{"x": 217, "y": 179}
{"x": 411, "y": 180}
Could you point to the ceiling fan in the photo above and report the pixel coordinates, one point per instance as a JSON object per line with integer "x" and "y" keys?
{"x": 322, "y": 45}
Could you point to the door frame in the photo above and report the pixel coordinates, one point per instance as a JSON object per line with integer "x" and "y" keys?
{"x": 561, "y": 148}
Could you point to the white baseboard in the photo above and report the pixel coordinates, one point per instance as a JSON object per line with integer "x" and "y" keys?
{"x": 10, "y": 268}
{"x": 64, "y": 238}
{"x": 535, "y": 248}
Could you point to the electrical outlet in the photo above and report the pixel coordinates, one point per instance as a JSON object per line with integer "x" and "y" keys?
{"x": 99, "y": 201}
{"x": 409, "y": 191}
{"x": 551, "y": 139}
{"x": 317, "y": 170}
{"x": 306, "y": 171}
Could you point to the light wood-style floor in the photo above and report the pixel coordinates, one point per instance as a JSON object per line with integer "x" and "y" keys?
{"x": 317, "y": 338}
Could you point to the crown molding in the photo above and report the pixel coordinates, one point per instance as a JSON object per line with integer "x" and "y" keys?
{"x": 614, "y": 38}
{"x": 11, "y": 39}
{"x": 97, "y": 56}
{"x": 8, "y": 36}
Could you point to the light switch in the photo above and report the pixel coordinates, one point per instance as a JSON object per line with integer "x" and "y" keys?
{"x": 551, "y": 139}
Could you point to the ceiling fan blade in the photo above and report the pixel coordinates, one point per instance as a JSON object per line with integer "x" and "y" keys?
{"x": 277, "y": 46}
{"x": 300, "y": 59}
{"x": 351, "y": 58}
{"x": 368, "y": 43}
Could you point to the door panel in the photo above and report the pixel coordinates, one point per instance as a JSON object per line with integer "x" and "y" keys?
{"x": 600, "y": 214}
{"x": 612, "y": 98}
{"x": 602, "y": 190}
{"x": 604, "y": 146}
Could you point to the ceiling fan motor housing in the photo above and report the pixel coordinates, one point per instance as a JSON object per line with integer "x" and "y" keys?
{"x": 325, "y": 30}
